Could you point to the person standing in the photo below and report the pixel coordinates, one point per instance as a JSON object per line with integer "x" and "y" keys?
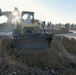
{"x": 16, "y": 16}
{"x": 0, "y": 12}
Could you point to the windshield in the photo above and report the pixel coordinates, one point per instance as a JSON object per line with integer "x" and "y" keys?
{"x": 27, "y": 18}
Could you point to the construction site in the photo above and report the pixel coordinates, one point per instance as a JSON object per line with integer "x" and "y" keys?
{"x": 25, "y": 49}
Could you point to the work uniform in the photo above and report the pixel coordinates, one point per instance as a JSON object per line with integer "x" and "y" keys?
{"x": 16, "y": 17}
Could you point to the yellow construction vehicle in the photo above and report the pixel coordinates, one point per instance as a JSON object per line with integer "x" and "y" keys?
{"x": 26, "y": 33}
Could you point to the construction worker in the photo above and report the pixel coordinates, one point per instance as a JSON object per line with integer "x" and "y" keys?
{"x": 16, "y": 16}
{"x": 0, "y": 12}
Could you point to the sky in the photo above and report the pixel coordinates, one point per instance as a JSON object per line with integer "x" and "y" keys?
{"x": 56, "y": 11}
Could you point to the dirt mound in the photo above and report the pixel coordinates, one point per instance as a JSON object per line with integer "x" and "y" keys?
{"x": 36, "y": 62}
{"x": 60, "y": 31}
{"x": 70, "y": 45}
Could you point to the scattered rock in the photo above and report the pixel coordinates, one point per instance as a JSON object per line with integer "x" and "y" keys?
{"x": 37, "y": 71}
{"x": 22, "y": 62}
{"x": 14, "y": 73}
{"x": 52, "y": 71}
{"x": 1, "y": 60}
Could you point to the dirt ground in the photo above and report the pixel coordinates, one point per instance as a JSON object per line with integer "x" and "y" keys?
{"x": 59, "y": 59}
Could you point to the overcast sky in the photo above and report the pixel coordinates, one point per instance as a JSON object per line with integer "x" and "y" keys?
{"x": 56, "y": 11}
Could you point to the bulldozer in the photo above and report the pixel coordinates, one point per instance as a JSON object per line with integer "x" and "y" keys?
{"x": 26, "y": 34}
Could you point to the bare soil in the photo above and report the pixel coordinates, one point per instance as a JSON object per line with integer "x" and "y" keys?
{"x": 58, "y": 57}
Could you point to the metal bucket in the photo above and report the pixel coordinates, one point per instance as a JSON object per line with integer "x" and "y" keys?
{"x": 33, "y": 43}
